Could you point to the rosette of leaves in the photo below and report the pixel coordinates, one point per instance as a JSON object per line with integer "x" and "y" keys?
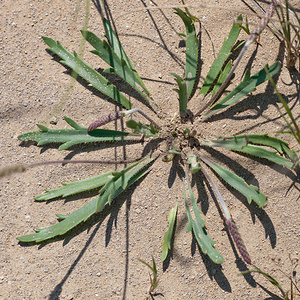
{"x": 111, "y": 184}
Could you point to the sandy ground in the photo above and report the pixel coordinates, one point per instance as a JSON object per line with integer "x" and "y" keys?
{"x": 98, "y": 260}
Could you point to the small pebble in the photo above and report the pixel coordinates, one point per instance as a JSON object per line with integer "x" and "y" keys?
{"x": 53, "y": 121}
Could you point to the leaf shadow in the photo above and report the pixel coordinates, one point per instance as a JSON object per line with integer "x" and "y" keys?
{"x": 214, "y": 270}
{"x": 165, "y": 47}
{"x": 176, "y": 169}
{"x": 272, "y": 295}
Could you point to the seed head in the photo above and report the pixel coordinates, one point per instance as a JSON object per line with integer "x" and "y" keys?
{"x": 105, "y": 119}
{"x": 238, "y": 240}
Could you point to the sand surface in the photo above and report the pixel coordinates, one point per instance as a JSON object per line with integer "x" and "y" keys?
{"x": 99, "y": 260}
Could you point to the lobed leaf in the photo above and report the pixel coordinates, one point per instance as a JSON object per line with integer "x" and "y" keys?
{"x": 70, "y": 137}
{"x": 76, "y": 187}
{"x": 118, "y": 49}
{"x": 245, "y": 87}
{"x": 198, "y": 226}
{"x": 119, "y": 65}
{"x": 118, "y": 182}
{"x": 223, "y": 55}
{"x": 251, "y": 192}
{"x": 86, "y": 72}
{"x": 81, "y": 215}
{"x": 166, "y": 244}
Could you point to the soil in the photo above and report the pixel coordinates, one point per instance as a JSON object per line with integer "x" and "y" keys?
{"x": 99, "y": 259}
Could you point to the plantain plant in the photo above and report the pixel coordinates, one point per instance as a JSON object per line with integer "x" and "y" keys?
{"x": 181, "y": 134}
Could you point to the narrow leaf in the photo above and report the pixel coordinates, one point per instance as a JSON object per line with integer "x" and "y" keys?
{"x": 182, "y": 92}
{"x": 82, "y": 214}
{"x": 191, "y": 52}
{"x": 76, "y": 187}
{"x": 266, "y": 154}
{"x": 119, "y": 65}
{"x": 251, "y": 192}
{"x": 166, "y": 245}
{"x": 243, "y": 140}
{"x": 118, "y": 49}
{"x": 86, "y": 72}
{"x": 120, "y": 182}
{"x": 223, "y": 55}
{"x": 70, "y": 137}
{"x": 68, "y": 222}
{"x": 198, "y": 226}
{"x": 222, "y": 77}
{"x": 244, "y": 144}
{"x": 245, "y": 87}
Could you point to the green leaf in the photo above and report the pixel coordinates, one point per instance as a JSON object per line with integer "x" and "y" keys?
{"x": 76, "y": 187}
{"x": 251, "y": 192}
{"x": 86, "y": 72}
{"x": 222, "y": 77}
{"x": 182, "y": 92}
{"x": 119, "y": 65}
{"x": 154, "y": 281}
{"x": 81, "y": 215}
{"x": 166, "y": 244}
{"x": 245, "y": 87}
{"x": 223, "y": 55}
{"x": 70, "y": 137}
{"x": 118, "y": 49}
{"x": 243, "y": 140}
{"x": 191, "y": 52}
{"x": 198, "y": 226}
{"x": 266, "y": 154}
{"x": 138, "y": 127}
{"x": 120, "y": 181}
{"x": 68, "y": 222}
{"x": 244, "y": 144}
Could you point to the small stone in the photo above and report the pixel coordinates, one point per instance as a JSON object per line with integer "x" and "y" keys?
{"x": 98, "y": 274}
{"x": 53, "y": 121}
